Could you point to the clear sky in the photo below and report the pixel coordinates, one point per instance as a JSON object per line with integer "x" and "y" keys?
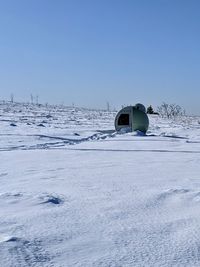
{"x": 89, "y": 52}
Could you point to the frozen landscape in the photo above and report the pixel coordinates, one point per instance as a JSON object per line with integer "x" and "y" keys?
{"x": 76, "y": 193}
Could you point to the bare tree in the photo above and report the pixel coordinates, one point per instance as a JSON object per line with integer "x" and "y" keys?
{"x": 108, "y": 106}
{"x": 31, "y": 99}
{"x": 170, "y": 110}
{"x": 11, "y": 98}
{"x": 37, "y": 99}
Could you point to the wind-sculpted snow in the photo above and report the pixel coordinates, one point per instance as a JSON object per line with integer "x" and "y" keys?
{"x": 41, "y": 127}
{"x": 75, "y": 193}
{"x": 23, "y": 253}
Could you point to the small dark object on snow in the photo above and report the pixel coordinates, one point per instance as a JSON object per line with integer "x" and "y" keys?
{"x": 41, "y": 125}
{"x": 53, "y": 200}
{"x": 48, "y": 116}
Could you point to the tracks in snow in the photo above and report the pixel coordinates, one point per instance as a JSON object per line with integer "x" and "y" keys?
{"x": 41, "y": 141}
{"x": 58, "y": 142}
{"x": 18, "y": 252}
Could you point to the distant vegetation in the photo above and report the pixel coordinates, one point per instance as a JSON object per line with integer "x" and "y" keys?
{"x": 170, "y": 111}
{"x": 150, "y": 110}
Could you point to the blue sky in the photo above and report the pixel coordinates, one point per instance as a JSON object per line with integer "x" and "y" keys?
{"x": 89, "y": 52}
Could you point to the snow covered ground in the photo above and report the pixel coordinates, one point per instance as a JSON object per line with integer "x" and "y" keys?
{"x": 75, "y": 193}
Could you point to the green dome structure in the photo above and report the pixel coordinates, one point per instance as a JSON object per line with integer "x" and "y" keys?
{"x": 132, "y": 118}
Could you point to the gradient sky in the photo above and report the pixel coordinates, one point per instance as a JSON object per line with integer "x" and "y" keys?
{"x": 89, "y": 52}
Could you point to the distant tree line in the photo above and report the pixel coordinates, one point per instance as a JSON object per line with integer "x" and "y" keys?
{"x": 166, "y": 110}
{"x": 34, "y": 100}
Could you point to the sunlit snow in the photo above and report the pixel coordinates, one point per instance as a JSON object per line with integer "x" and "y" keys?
{"x": 76, "y": 193}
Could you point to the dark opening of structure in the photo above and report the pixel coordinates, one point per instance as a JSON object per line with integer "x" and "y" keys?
{"x": 123, "y": 119}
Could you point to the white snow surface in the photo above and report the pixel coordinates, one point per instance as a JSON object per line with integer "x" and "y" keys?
{"x": 75, "y": 193}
